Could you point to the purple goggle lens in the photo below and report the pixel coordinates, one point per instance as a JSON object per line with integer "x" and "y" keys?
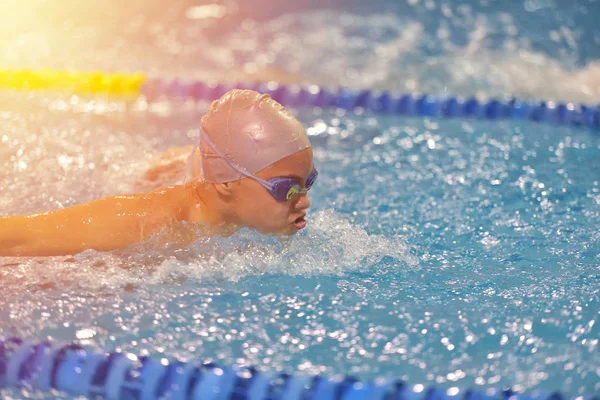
{"x": 287, "y": 188}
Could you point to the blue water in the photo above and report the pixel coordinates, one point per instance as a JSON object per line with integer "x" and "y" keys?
{"x": 458, "y": 253}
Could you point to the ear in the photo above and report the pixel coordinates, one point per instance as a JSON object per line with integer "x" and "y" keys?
{"x": 225, "y": 190}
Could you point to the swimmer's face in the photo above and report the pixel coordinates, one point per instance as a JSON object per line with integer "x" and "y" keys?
{"x": 256, "y": 208}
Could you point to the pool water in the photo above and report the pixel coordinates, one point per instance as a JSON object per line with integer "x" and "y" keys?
{"x": 450, "y": 252}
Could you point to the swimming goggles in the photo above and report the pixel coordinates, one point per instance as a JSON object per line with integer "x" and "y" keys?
{"x": 282, "y": 188}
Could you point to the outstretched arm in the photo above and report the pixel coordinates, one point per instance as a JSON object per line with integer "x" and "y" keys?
{"x": 106, "y": 224}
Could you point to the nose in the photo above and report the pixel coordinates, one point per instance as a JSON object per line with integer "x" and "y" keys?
{"x": 303, "y": 202}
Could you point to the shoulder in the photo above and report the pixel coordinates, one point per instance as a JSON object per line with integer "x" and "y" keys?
{"x": 167, "y": 199}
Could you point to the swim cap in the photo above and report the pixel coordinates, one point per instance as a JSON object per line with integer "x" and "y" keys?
{"x": 252, "y": 130}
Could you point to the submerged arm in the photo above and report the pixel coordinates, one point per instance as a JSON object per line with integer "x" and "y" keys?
{"x": 106, "y": 224}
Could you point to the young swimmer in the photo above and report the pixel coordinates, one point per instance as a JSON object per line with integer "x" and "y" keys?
{"x": 252, "y": 168}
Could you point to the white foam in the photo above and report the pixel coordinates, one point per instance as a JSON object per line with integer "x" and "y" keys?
{"x": 329, "y": 245}
{"x": 394, "y": 52}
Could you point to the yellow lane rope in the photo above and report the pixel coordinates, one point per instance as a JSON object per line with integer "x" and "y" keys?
{"x": 95, "y": 82}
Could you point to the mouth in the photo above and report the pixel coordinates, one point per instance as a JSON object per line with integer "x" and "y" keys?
{"x": 299, "y": 223}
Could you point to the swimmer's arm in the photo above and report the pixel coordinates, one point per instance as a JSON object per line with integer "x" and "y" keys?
{"x": 171, "y": 166}
{"x": 106, "y": 224}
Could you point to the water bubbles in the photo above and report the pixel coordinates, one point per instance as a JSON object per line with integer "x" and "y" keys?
{"x": 206, "y": 11}
{"x": 318, "y": 128}
{"x": 85, "y": 333}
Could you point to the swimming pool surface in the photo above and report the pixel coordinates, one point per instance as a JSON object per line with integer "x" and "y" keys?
{"x": 456, "y": 252}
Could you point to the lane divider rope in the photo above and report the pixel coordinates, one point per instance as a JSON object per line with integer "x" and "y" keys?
{"x": 381, "y": 102}
{"x": 76, "y": 370}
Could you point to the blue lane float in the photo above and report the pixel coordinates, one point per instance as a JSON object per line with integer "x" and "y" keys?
{"x": 425, "y": 105}
{"x": 80, "y": 371}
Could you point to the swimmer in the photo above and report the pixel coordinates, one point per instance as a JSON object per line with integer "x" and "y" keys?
{"x": 252, "y": 167}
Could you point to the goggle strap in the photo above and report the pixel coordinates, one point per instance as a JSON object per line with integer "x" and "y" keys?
{"x": 231, "y": 163}
{"x": 188, "y": 171}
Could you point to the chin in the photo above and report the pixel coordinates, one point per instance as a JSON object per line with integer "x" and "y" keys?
{"x": 281, "y": 231}
{"x": 290, "y": 232}
{"x": 285, "y": 231}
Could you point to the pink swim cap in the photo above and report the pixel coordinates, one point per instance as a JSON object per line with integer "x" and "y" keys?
{"x": 252, "y": 130}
